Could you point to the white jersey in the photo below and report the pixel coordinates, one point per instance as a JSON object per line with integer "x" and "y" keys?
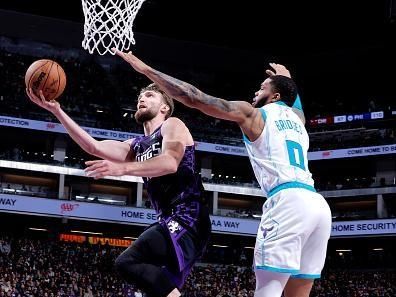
{"x": 296, "y": 222}
{"x": 279, "y": 154}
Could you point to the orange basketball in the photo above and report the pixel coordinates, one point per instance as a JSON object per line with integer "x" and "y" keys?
{"x": 47, "y": 76}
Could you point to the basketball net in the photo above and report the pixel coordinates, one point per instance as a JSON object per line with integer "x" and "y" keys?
{"x": 108, "y": 24}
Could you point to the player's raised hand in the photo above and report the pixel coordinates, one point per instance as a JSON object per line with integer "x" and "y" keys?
{"x": 52, "y": 106}
{"x": 278, "y": 69}
{"x": 135, "y": 62}
{"x": 101, "y": 168}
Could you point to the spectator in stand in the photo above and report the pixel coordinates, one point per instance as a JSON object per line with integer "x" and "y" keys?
{"x": 5, "y": 247}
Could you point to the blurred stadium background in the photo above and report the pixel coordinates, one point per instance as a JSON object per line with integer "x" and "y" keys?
{"x": 60, "y": 231}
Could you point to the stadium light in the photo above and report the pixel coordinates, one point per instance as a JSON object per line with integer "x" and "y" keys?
{"x": 249, "y": 247}
{"x": 343, "y": 250}
{"x": 130, "y": 237}
{"x": 378, "y": 249}
{"x": 106, "y": 200}
{"x": 218, "y": 245}
{"x": 38, "y": 229}
{"x": 86, "y": 232}
{"x": 110, "y": 200}
{"x": 9, "y": 190}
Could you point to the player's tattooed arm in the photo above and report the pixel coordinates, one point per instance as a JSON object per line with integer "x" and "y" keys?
{"x": 191, "y": 96}
{"x": 237, "y": 111}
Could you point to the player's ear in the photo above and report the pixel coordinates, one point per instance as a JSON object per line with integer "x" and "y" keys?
{"x": 275, "y": 97}
{"x": 165, "y": 108}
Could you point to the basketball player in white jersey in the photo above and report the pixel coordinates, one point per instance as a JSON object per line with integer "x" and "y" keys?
{"x": 295, "y": 227}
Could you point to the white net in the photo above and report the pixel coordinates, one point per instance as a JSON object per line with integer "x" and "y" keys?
{"x": 108, "y": 24}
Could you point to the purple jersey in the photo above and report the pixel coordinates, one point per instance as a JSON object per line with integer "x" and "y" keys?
{"x": 167, "y": 191}
{"x": 177, "y": 199}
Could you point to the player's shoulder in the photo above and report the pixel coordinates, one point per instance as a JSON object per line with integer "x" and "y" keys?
{"x": 173, "y": 126}
{"x": 271, "y": 107}
{"x": 277, "y": 106}
{"x": 173, "y": 121}
{"x": 275, "y": 109}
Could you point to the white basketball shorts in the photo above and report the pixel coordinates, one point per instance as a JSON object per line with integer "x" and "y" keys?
{"x": 293, "y": 233}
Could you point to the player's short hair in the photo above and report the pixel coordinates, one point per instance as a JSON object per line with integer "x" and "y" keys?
{"x": 167, "y": 100}
{"x": 286, "y": 87}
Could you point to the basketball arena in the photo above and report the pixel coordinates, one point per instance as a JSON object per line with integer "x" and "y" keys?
{"x": 197, "y": 148}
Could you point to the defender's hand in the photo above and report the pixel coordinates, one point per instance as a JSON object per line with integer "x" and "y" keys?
{"x": 278, "y": 69}
{"x": 136, "y": 63}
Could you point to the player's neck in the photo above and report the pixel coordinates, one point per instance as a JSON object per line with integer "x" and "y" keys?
{"x": 152, "y": 125}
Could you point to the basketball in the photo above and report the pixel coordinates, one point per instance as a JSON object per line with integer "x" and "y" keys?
{"x": 47, "y": 76}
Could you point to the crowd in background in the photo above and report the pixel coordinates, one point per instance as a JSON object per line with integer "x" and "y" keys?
{"x": 47, "y": 267}
{"x": 51, "y": 268}
{"x": 104, "y": 96}
{"x": 96, "y": 97}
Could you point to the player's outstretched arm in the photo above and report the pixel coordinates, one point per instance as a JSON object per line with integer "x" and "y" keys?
{"x": 106, "y": 149}
{"x": 237, "y": 111}
{"x": 175, "y": 138}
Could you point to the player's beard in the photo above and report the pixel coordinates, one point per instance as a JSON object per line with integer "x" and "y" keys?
{"x": 262, "y": 101}
{"x": 144, "y": 116}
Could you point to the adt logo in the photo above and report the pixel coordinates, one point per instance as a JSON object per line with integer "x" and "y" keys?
{"x": 68, "y": 207}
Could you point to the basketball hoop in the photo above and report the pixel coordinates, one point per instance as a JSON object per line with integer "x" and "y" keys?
{"x": 108, "y": 24}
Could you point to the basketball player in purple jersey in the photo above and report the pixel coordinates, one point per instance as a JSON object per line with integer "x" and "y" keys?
{"x": 163, "y": 255}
